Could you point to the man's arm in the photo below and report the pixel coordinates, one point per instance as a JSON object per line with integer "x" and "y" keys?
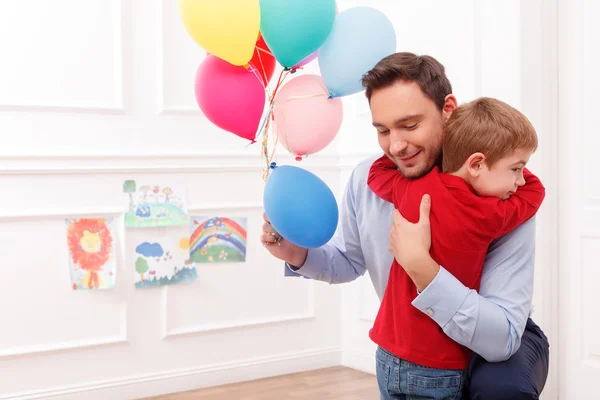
{"x": 490, "y": 322}
{"x": 341, "y": 259}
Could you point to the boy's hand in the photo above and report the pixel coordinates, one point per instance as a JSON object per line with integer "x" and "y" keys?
{"x": 410, "y": 244}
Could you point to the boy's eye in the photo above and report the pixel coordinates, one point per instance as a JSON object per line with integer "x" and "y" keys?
{"x": 517, "y": 169}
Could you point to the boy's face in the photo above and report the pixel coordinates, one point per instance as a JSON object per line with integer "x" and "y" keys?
{"x": 409, "y": 126}
{"x": 504, "y": 177}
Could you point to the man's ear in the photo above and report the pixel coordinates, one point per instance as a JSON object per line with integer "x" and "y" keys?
{"x": 475, "y": 163}
{"x": 450, "y": 105}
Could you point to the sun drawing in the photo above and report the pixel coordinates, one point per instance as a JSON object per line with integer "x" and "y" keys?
{"x": 90, "y": 243}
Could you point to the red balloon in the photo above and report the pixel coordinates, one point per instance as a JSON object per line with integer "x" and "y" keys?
{"x": 263, "y": 60}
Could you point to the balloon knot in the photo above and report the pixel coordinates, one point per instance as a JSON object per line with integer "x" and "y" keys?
{"x": 273, "y": 165}
{"x": 299, "y": 158}
{"x": 293, "y": 70}
{"x": 330, "y": 96}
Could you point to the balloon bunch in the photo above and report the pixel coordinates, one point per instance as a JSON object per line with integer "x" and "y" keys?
{"x": 245, "y": 40}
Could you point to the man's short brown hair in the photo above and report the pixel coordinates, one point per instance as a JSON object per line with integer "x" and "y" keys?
{"x": 487, "y": 126}
{"x": 428, "y": 72}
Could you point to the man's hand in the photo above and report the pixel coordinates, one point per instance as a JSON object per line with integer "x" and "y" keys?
{"x": 281, "y": 248}
{"x": 410, "y": 245}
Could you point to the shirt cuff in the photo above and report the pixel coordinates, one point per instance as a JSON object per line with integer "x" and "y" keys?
{"x": 290, "y": 270}
{"x": 312, "y": 267}
{"x": 442, "y": 298}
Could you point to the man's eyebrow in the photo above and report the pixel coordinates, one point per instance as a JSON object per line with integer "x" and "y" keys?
{"x": 401, "y": 120}
{"x": 408, "y": 118}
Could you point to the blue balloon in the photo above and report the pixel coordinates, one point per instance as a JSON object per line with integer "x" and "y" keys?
{"x": 360, "y": 38}
{"x": 300, "y": 206}
{"x": 294, "y": 29}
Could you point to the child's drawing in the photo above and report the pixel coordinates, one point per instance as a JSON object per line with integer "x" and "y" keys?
{"x": 152, "y": 204}
{"x": 91, "y": 257}
{"x": 218, "y": 239}
{"x": 163, "y": 259}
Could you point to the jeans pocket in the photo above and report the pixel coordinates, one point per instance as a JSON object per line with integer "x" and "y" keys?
{"x": 383, "y": 374}
{"x": 445, "y": 386}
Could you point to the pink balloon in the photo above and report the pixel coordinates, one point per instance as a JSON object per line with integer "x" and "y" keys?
{"x": 305, "y": 119}
{"x": 230, "y": 96}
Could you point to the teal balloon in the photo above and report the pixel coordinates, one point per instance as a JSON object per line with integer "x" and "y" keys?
{"x": 300, "y": 206}
{"x": 294, "y": 29}
{"x": 360, "y": 38}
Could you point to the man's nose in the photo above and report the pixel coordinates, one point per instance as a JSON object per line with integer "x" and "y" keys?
{"x": 398, "y": 145}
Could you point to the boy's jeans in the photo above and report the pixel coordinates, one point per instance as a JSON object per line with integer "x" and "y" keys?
{"x": 402, "y": 380}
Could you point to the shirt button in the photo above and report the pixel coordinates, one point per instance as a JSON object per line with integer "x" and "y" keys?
{"x": 430, "y": 312}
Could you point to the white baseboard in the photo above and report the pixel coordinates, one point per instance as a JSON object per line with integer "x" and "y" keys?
{"x": 135, "y": 387}
{"x": 359, "y": 360}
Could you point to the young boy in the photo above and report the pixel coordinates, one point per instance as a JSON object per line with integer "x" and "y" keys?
{"x": 483, "y": 193}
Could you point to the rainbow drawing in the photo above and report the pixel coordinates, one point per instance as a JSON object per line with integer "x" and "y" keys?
{"x": 218, "y": 239}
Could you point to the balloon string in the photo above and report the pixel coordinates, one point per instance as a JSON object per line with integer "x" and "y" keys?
{"x": 265, "y": 146}
{"x": 284, "y": 130}
{"x": 251, "y": 68}
{"x": 263, "y": 50}
{"x": 266, "y": 123}
{"x": 264, "y": 72}
{"x": 308, "y": 96}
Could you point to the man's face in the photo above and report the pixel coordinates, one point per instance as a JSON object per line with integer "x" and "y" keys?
{"x": 409, "y": 126}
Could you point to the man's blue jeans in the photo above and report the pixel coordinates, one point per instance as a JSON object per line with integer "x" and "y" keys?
{"x": 399, "y": 379}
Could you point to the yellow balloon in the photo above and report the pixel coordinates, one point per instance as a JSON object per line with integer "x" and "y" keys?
{"x": 225, "y": 28}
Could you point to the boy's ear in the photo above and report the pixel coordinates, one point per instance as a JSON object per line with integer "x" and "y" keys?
{"x": 475, "y": 163}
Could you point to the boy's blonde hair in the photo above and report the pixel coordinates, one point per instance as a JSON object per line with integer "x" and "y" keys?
{"x": 487, "y": 126}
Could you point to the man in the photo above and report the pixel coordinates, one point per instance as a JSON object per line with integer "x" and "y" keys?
{"x": 411, "y": 98}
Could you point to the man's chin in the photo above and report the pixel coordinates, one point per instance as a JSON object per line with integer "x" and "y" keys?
{"x": 413, "y": 172}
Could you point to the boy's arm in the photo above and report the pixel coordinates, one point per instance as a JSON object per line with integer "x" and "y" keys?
{"x": 384, "y": 178}
{"x": 523, "y": 204}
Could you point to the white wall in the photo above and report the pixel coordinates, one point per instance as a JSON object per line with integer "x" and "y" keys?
{"x": 103, "y": 93}
{"x": 94, "y": 93}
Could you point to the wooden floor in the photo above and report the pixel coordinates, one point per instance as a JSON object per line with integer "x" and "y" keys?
{"x": 326, "y": 384}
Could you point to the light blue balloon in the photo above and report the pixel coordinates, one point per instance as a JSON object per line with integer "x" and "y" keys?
{"x": 360, "y": 38}
{"x": 300, "y": 206}
{"x": 294, "y": 29}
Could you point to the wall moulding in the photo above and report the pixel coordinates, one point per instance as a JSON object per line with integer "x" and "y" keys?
{"x": 169, "y": 332}
{"x": 117, "y": 339}
{"x": 131, "y": 163}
